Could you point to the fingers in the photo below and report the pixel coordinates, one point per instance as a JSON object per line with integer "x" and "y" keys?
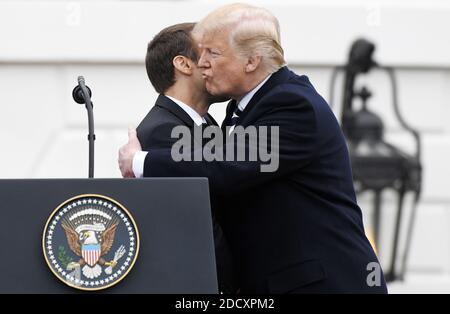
{"x": 124, "y": 163}
{"x": 132, "y": 133}
{"x": 133, "y": 140}
{"x": 127, "y": 152}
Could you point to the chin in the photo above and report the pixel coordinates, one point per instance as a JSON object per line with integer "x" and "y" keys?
{"x": 215, "y": 92}
{"x": 211, "y": 90}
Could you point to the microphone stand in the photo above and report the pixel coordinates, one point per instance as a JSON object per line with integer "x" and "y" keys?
{"x": 82, "y": 95}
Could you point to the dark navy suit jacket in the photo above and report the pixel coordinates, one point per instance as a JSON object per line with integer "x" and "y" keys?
{"x": 298, "y": 229}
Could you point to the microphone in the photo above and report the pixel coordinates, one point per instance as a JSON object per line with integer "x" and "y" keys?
{"x": 82, "y": 95}
{"x": 78, "y": 93}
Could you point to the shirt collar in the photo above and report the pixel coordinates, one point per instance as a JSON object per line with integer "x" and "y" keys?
{"x": 246, "y": 99}
{"x": 198, "y": 120}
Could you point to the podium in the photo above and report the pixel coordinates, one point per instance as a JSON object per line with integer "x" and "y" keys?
{"x": 172, "y": 216}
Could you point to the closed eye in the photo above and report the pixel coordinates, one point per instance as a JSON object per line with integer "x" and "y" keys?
{"x": 213, "y": 52}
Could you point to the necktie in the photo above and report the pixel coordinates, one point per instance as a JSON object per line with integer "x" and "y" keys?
{"x": 235, "y": 117}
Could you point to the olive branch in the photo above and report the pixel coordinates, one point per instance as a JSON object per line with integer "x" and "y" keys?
{"x": 63, "y": 258}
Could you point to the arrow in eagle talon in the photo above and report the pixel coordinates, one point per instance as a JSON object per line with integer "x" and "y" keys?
{"x": 119, "y": 253}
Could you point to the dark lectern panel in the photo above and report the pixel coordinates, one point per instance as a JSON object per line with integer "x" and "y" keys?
{"x": 172, "y": 214}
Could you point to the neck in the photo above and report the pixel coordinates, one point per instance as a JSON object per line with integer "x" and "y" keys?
{"x": 188, "y": 95}
{"x": 250, "y": 83}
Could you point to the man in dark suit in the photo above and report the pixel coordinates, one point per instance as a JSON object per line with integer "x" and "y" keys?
{"x": 171, "y": 64}
{"x": 297, "y": 229}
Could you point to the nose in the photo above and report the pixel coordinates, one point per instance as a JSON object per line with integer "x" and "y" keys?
{"x": 203, "y": 61}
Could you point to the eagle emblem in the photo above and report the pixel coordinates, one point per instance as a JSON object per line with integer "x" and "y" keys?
{"x": 84, "y": 243}
{"x": 90, "y": 242}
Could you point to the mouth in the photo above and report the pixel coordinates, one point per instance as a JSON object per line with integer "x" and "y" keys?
{"x": 206, "y": 74}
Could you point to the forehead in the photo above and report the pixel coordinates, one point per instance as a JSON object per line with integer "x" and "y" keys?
{"x": 216, "y": 39}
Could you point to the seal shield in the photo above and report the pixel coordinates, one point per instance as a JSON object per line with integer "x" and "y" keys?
{"x": 90, "y": 242}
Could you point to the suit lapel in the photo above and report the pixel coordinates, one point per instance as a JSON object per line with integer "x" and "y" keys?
{"x": 169, "y": 105}
{"x": 279, "y": 77}
{"x": 173, "y": 108}
{"x": 210, "y": 120}
{"x": 229, "y": 113}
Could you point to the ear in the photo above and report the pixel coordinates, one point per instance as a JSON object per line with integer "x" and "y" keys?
{"x": 183, "y": 64}
{"x": 252, "y": 63}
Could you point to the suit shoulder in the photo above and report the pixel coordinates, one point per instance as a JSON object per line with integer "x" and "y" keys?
{"x": 156, "y": 128}
{"x": 296, "y": 100}
{"x": 158, "y": 117}
{"x": 297, "y": 91}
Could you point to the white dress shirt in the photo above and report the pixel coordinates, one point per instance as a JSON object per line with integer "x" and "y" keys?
{"x": 139, "y": 157}
{"x": 198, "y": 119}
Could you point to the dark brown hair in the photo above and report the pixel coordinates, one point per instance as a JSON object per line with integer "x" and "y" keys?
{"x": 172, "y": 41}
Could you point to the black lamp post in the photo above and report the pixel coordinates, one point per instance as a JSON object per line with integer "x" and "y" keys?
{"x": 376, "y": 164}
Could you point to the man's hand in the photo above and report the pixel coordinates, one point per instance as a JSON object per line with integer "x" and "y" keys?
{"x": 127, "y": 152}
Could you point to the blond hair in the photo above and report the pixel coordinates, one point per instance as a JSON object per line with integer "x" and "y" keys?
{"x": 254, "y": 31}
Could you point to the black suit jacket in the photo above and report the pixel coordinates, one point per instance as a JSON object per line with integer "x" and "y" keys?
{"x": 298, "y": 229}
{"x": 155, "y": 132}
{"x": 155, "y": 129}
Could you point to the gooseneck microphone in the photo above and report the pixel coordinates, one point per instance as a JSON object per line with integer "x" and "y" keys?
{"x": 82, "y": 95}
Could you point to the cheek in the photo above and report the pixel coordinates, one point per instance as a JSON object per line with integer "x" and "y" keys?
{"x": 221, "y": 73}
{"x": 223, "y": 76}
{"x": 219, "y": 66}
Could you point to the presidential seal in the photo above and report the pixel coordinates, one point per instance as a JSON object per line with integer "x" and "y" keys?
{"x": 90, "y": 242}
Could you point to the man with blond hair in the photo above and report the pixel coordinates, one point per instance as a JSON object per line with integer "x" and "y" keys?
{"x": 298, "y": 228}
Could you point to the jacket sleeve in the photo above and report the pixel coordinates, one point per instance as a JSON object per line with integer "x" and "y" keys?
{"x": 296, "y": 141}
